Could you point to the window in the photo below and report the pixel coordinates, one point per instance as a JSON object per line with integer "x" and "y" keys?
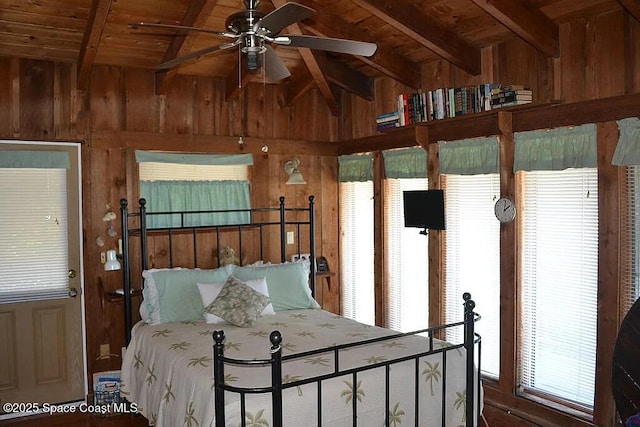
{"x": 34, "y": 237}
{"x": 178, "y": 182}
{"x": 356, "y": 251}
{"x": 406, "y": 261}
{"x": 630, "y": 235}
{"x": 559, "y": 283}
{"x": 472, "y": 259}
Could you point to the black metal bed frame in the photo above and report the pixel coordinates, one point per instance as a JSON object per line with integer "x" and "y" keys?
{"x": 471, "y": 339}
{"x": 142, "y": 231}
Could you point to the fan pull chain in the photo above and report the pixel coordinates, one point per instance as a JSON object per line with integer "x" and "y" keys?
{"x": 239, "y": 68}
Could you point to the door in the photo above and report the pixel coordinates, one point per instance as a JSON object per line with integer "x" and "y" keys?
{"x": 41, "y": 312}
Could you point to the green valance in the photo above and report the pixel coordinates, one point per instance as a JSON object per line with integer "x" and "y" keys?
{"x": 556, "y": 149}
{"x": 628, "y": 149}
{"x": 405, "y": 163}
{"x": 355, "y": 168}
{"x": 34, "y": 159}
{"x": 194, "y": 159}
{"x": 473, "y": 156}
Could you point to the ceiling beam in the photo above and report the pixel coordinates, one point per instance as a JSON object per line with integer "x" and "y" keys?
{"x": 312, "y": 64}
{"x": 527, "y": 22}
{"x": 195, "y": 16}
{"x": 91, "y": 39}
{"x": 348, "y": 79}
{"x": 431, "y": 33}
{"x": 239, "y": 77}
{"x": 299, "y": 84}
{"x": 631, "y": 6}
{"x": 388, "y": 62}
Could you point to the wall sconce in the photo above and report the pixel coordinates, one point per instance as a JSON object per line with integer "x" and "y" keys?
{"x": 112, "y": 263}
{"x": 291, "y": 168}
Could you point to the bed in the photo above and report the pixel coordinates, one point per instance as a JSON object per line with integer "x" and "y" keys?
{"x": 248, "y": 345}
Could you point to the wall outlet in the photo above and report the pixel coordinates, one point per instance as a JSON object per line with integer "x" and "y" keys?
{"x": 290, "y": 238}
{"x": 105, "y": 350}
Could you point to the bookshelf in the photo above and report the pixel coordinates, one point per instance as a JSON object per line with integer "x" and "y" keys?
{"x": 520, "y": 118}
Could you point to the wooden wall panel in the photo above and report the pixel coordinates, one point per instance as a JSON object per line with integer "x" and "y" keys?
{"x": 141, "y": 103}
{"x": 36, "y": 92}
{"x": 106, "y": 99}
{"x": 7, "y": 103}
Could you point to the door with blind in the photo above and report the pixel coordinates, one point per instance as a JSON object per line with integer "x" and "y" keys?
{"x": 41, "y": 321}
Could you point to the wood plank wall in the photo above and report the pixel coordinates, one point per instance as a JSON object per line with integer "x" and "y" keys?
{"x": 119, "y": 113}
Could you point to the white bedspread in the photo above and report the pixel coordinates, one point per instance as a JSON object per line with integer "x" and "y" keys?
{"x": 167, "y": 371}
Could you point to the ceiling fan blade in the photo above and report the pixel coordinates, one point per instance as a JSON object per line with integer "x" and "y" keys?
{"x": 198, "y": 53}
{"x": 273, "y": 65}
{"x": 352, "y": 47}
{"x": 282, "y": 17}
{"x": 136, "y": 25}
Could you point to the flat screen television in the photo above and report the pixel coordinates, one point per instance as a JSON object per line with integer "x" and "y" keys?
{"x": 424, "y": 209}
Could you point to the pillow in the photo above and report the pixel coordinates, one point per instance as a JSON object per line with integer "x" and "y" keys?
{"x": 209, "y": 292}
{"x": 171, "y": 294}
{"x": 288, "y": 284}
{"x": 238, "y": 303}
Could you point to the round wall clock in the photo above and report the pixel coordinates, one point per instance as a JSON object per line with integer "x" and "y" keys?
{"x": 505, "y": 210}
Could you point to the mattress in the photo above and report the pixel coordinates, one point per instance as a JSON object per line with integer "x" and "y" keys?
{"x": 167, "y": 371}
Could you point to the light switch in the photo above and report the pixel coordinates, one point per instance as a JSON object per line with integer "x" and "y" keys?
{"x": 290, "y": 238}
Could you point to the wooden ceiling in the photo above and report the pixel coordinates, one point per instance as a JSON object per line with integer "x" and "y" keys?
{"x": 407, "y": 32}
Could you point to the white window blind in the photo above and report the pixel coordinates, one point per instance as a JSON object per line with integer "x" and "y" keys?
{"x": 630, "y": 233}
{"x": 472, "y": 259}
{"x": 356, "y": 251}
{"x": 559, "y": 283}
{"x": 33, "y": 234}
{"x": 153, "y": 171}
{"x": 406, "y": 261}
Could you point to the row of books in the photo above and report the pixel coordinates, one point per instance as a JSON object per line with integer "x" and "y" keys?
{"x": 451, "y": 102}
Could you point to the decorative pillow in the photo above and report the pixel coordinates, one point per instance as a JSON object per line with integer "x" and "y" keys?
{"x": 238, "y": 303}
{"x": 210, "y": 291}
{"x": 171, "y": 294}
{"x": 288, "y": 284}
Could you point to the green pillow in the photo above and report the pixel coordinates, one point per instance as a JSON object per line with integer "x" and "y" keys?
{"x": 288, "y": 284}
{"x": 172, "y": 295}
{"x": 238, "y": 303}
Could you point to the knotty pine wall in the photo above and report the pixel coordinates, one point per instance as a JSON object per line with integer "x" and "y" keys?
{"x": 119, "y": 113}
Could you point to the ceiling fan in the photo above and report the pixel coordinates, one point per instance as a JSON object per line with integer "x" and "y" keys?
{"x": 253, "y": 31}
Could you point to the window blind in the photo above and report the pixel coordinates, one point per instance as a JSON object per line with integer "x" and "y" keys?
{"x": 356, "y": 251}
{"x": 630, "y": 233}
{"x": 406, "y": 261}
{"x": 33, "y": 234}
{"x": 472, "y": 259}
{"x": 559, "y": 283}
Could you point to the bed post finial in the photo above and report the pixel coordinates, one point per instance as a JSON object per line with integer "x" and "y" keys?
{"x": 218, "y": 337}
{"x": 142, "y": 202}
{"x": 123, "y": 203}
{"x": 276, "y": 339}
{"x": 469, "y": 304}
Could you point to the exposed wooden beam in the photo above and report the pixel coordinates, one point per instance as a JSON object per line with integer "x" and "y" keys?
{"x": 631, "y": 6}
{"x": 388, "y": 62}
{"x": 410, "y": 20}
{"x": 527, "y": 22}
{"x": 313, "y": 65}
{"x": 349, "y": 79}
{"x": 195, "y": 16}
{"x": 91, "y": 39}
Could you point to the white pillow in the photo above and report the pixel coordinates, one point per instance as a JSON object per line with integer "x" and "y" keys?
{"x": 210, "y": 291}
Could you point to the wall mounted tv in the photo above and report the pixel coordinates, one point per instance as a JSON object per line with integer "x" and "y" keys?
{"x": 424, "y": 209}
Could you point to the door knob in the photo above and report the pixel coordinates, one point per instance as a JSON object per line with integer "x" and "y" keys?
{"x": 73, "y": 292}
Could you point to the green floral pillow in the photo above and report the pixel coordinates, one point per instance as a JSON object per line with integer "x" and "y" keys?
{"x": 238, "y": 303}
